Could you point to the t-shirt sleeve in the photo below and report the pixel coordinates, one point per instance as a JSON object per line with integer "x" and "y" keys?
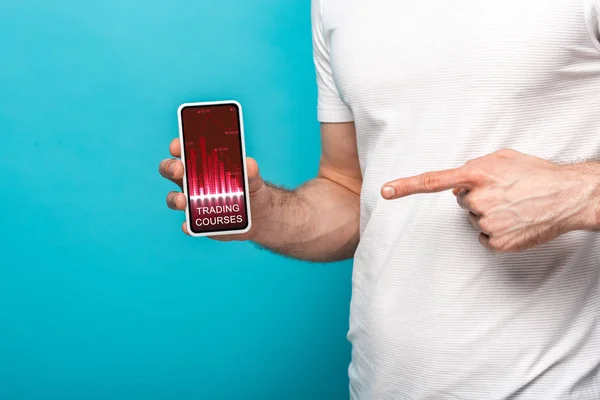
{"x": 592, "y": 12}
{"x": 330, "y": 107}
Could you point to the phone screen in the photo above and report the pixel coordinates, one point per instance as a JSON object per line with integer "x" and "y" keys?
{"x": 215, "y": 168}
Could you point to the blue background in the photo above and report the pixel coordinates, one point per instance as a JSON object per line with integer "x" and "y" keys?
{"x": 101, "y": 295}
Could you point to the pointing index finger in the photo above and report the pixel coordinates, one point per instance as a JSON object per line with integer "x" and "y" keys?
{"x": 429, "y": 182}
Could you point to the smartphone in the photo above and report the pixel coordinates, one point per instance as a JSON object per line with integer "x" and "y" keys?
{"x": 215, "y": 182}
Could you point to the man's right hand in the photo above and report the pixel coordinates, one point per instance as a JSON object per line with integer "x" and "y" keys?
{"x": 260, "y": 202}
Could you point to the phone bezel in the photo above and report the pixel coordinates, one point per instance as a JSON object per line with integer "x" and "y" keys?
{"x": 245, "y": 169}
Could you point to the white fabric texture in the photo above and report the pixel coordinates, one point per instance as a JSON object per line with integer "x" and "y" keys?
{"x": 431, "y": 85}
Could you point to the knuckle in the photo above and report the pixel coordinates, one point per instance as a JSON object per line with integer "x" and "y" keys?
{"x": 476, "y": 203}
{"x": 472, "y": 164}
{"x": 495, "y": 244}
{"x": 504, "y": 153}
{"x": 161, "y": 166}
{"x": 176, "y": 167}
{"x": 473, "y": 175}
{"x": 498, "y": 244}
{"x": 165, "y": 166}
{"x": 473, "y": 203}
{"x": 402, "y": 188}
{"x": 484, "y": 224}
{"x": 429, "y": 181}
{"x": 172, "y": 200}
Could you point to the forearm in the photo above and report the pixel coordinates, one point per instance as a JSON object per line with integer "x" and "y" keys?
{"x": 319, "y": 221}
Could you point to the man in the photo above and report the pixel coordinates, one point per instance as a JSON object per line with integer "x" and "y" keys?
{"x": 499, "y": 297}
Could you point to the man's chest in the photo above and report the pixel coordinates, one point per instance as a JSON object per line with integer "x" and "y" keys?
{"x": 385, "y": 49}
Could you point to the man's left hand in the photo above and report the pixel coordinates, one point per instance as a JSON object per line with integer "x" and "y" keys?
{"x": 515, "y": 200}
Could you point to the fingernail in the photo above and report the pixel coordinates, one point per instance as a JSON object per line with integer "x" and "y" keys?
{"x": 172, "y": 168}
{"x": 388, "y": 192}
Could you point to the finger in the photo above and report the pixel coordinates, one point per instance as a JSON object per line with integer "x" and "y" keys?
{"x": 176, "y": 201}
{"x": 475, "y": 222}
{"x": 255, "y": 182}
{"x": 429, "y": 182}
{"x": 175, "y": 148}
{"x": 184, "y": 228}
{"x": 173, "y": 170}
{"x": 456, "y": 191}
{"x": 485, "y": 241}
{"x": 463, "y": 201}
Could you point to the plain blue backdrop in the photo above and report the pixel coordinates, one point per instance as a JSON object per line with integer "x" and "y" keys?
{"x": 101, "y": 295}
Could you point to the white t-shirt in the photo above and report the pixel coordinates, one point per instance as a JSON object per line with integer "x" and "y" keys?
{"x": 429, "y": 86}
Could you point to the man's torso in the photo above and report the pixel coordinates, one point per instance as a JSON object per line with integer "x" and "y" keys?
{"x": 431, "y": 85}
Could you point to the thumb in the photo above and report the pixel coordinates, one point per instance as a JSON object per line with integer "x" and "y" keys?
{"x": 255, "y": 182}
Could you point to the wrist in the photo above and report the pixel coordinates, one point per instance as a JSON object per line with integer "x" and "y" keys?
{"x": 260, "y": 200}
{"x": 269, "y": 205}
{"x": 588, "y": 191}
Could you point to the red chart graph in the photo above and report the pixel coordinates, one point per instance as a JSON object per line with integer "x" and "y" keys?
{"x": 212, "y": 174}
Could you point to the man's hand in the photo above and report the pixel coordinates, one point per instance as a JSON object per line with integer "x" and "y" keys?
{"x": 172, "y": 169}
{"x": 516, "y": 201}
{"x": 318, "y": 221}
